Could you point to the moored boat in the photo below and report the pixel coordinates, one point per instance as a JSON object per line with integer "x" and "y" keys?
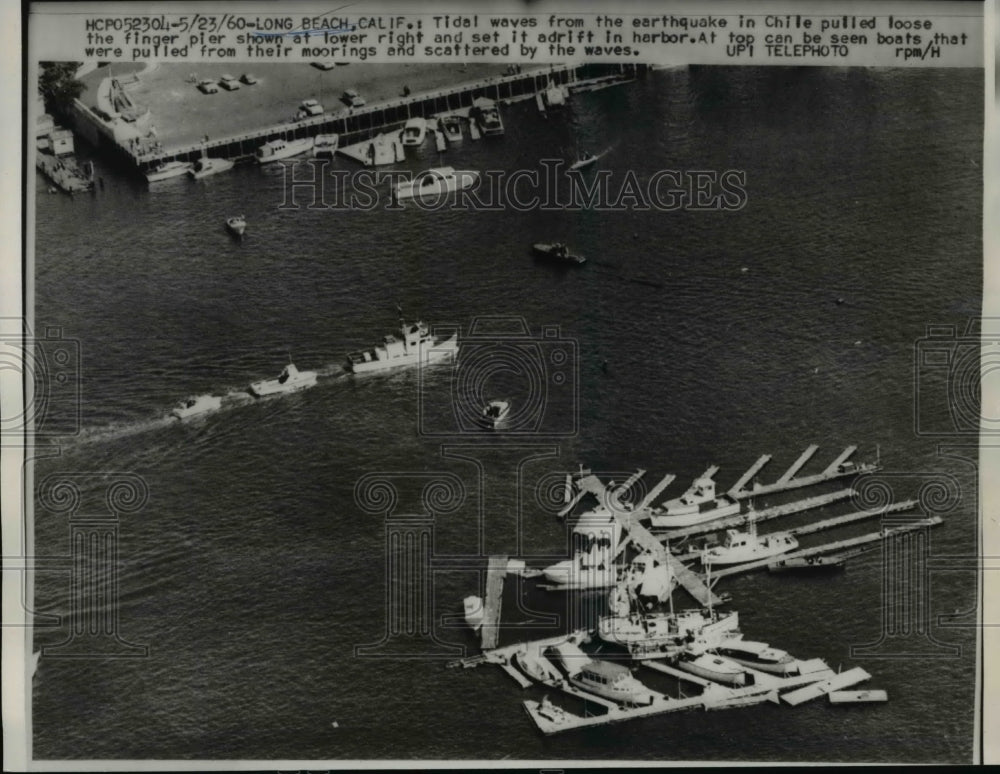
{"x": 195, "y": 405}
{"x": 290, "y": 380}
{"x": 806, "y": 563}
{"x": 275, "y": 150}
{"x": 439, "y": 181}
{"x": 167, "y": 170}
{"x": 237, "y": 224}
{"x": 712, "y": 667}
{"x": 697, "y": 505}
{"x": 206, "y": 166}
{"x": 659, "y": 635}
{"x": 595, "y": 544}
{"x": 556, "y": 251}
{"x": 487, "y": 116}
{"x": 414, "y": 132}
{"x": 611, "y": 681}
{"x": 475, "y": 612}
{"x": 451, "y": 127}
{"x": 417, "y": 346}
{"x": 326, "y": 145}
{"x": 757, "y": 655}
{"x": 748, "y": 546}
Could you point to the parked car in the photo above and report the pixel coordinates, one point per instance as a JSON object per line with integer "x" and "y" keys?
{"x": 208, "y": 86}
{"x": 229, "y": 83}
{"x": 310, "y": 107}
{"x": 351, "y": 98}
{"x": 248, "y": 79}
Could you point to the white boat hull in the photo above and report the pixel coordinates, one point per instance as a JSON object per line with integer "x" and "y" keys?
{"x": 291, "y": 149}
{"x": 168, "y": 173}
{"x": 200, "y": 405}
{"x": 767, "y": 547}
{"x": 665, "y": 634}
{"x": 425, "y": 354}
{"x": 216, "y": 166}
{"x": 418, "y": 187}
{"x": 690, "y": 517}
{"x": 713, "y": 668}
{"x": 301, "y": 381}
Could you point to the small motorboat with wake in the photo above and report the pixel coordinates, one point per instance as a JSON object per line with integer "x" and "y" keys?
{"x": 585, "y": 160}
{"x": 290, "y": 380}
{"x": 495, "y": 413}
{"x": 199, "y": 404}
{"x": 237, "y": 224}
{"x": 556, "y": 252}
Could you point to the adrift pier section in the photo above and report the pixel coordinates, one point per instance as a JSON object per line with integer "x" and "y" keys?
{"x": 363, "y": 123}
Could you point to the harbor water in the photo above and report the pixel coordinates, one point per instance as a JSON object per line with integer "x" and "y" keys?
{"x": 252, "y": 573}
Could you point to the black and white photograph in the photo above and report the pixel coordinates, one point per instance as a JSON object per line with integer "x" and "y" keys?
{"x": 519, "y": 385}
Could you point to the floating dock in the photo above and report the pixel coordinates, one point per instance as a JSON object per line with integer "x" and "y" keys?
{"x": 495, "y": 572}
{"x": 835, "y": 683}
{"x": 839, "y": 468}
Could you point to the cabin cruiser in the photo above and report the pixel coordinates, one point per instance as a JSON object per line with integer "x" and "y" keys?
{"x": 275, "y": 150}
{"x": 415, "y": 131}
{"x": 206, "y": 166}
{"x": 696, "y": 506}
{"x": 167, "y": 170}
{"x": 740, "y": 547}
{"x": 713, "y": 667}
{"x": 611, "y": 681}
{"x": 757, "y": 655}
{"x": 290, "y": 380}
{"x": 438, "y": 181}
{"x": 199, "y": 404}
{"x": 416, "y": 346}
{"x": 487, "y": 115}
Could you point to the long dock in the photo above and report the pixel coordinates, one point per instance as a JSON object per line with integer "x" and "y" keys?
{"x": 835, "y": 683}
{"x": 827, "y": 548}
{"x": 839, "y": 468}
{"x": 490, "y": 631}
{"x": 359, "y": 124}
{"x": 763, "y": 515}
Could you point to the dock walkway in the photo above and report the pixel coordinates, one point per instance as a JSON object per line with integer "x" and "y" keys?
{"x": 490, "y": 631}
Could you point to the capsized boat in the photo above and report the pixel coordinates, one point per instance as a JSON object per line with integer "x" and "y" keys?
{"x": 611, "y": 681}
{"x": 748, "y": 546}
{"x": 237, "y": 224}
{"x": 712, "y": 667}
{"x": 206, "y": 166}
{"x": 438, "y": 181}
{"x": 556, "y": 251}
{"x": 697, "y": 505}
{"x": 757, "y": 655}
{"x": 495, "y": 413}
{"x": 415, "y": 131}
{"x": 167, "y": 170}
{"x": 198, "y": 404}
{"x": 275, "y": 150}
{"x": 290, "y": 380}
{"x": 451, "y": 127}
{"x": 416, "y": 346}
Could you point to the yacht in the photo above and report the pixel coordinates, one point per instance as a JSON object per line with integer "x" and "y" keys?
{"x": 712, "y": 667}
{"x": 611, "y": 681}
{"x": 439, "y": 181}
{"x": 167, "y": 170}
{"x": 206, "y": 166}
{"x": 415, "y": 346}
{"x": 758, "y": 655}
{"x": 748, "y": 546}
{"x": 275, "y": 150}
{"x": 696, "y": 506}
{"x": 290, "y": 380}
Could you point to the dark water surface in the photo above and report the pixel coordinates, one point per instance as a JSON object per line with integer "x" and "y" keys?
{"x": 252, "y": 573}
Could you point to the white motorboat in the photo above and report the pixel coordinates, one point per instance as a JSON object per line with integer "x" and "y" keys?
{"x": 586, "y": 159}
{"x": 495, "y": 413}
{"x": 712, "y": 667}
{"x": 290, "y": 380}
{"x": 487, "y": 115}
{"x": 659, "y": 635}
{"x": 697, "y": 505}
{"x": 553, "y": 713}
{"x": 451, "y": 128}
{"x": 748, "y": 546}
{"x": 439, "y": 181}
{"x": 531, "y": 661}
{"x": 275, "y": 150}
{"x": 611, "y": 681}
{"x": 237, "y": 224}
{"x": 415, "y": 132}
{"x": 195, "y": 405}
{"x": 167, "y": 170}
{"x": 206, "y": 166}
{"x": 326, "y": 145}
{"x": 417, "y": 346}
{"x": 475, "y": 612}
{"x": 757, "y": 655}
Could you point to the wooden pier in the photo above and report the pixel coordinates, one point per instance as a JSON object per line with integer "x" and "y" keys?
{"x": 357, "y": 125}
{"x": 495, "y": 572}
{"x": 827, "y": 548}
{"x": 839, "y": 468}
